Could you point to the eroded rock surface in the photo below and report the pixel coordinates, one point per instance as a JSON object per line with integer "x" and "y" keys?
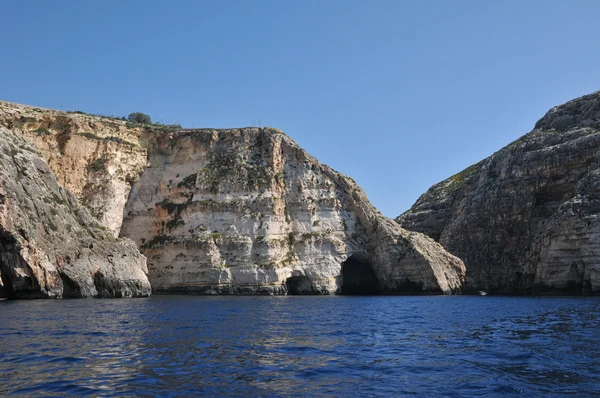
{"x": 96, "y": 158}
{"x": 232, "y": 211}
{"x": 526, "y": 219}
{"x": 50, "y": 247}
{"x": 248, "y": 211}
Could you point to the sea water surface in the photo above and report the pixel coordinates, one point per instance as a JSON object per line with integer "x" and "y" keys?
{"x": 301, "y": 346}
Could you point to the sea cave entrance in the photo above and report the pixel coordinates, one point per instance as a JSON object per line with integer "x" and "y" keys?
{"x": 358, "y": 277}
{"x": 299, "y": 285}
{"x": 2, "y": 292}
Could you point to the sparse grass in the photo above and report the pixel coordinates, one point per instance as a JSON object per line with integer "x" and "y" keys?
{"x": 42, "y": 131}
{"x": 117, "y": 140}
{"x": 97, "y": 165}
{"x": 460, "y": 177}
{"x": 225, "y": 167}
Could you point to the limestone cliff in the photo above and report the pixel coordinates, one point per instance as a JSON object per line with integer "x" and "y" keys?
{"x": 232, "y": 211}
{"x": 526, "y": 219}
{"x": 95, "y": 157}
{"x": 50, "y": 246}
{"x": 248, "y": 211}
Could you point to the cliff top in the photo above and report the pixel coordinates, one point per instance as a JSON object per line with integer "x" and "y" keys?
{"x": 582, "y": 111}
{"x": 13, "y": 109}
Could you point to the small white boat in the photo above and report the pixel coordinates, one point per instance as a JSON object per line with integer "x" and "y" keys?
{"x": 482, "y": 293}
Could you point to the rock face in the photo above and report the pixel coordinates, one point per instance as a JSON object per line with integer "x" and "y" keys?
{"x": 96, "y": 158}
{"x": 50, "y": 246}
{"x": 526, "y": 219}
{"x": 248, "y": 211}
{"x": 232, "y": 211}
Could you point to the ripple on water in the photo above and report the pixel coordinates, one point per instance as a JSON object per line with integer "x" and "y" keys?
{"x": 308, "y": 346}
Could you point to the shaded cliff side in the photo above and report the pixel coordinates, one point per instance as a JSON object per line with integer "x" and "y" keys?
{"x": 50, "y": 247}
{"x": 248, "y": 211}
{"x": 526, "y": 219}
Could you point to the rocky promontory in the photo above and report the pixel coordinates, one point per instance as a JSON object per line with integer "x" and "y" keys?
{"x": 50, "y": 246}
{"x": 233, "y": 211}
{"x": 526, "y": 220}
{"x": 248, "y": 211}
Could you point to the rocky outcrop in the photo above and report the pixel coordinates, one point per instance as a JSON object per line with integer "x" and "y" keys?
{"x": 95, "y": 157}
{"x": 232, "y": 211}
{"x": 50, "y": 246}
{"x": 526, "y": 219}
{"x": 248, "y": 211}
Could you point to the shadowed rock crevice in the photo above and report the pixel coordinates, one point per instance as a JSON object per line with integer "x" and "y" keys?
{"x": 358, "y": 277}
{"x": 17, "y": 279}
{"x": 299, "y": 285}
{"x": 70, "y": 287}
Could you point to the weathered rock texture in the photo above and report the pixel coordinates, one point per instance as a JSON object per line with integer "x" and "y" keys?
{"x": 49, "y": 245}
{"x": 248, "y": 211}
{"x": 96, "y": 158}
{"x": 232, "y": 211}
{"x": 526, "y": 219}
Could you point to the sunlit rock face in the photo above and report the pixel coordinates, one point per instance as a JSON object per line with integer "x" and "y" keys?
{"x": 526, "y": 219}
{"x": 95, "y": 158}
{"x": 231, "y": 211}
{"x": 50, "y": 246}
{"x": 247, "y": 211}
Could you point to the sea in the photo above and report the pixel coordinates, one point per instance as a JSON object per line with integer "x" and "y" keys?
{"x": 306, "y": 346}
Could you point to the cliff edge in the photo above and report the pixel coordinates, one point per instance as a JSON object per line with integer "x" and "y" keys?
{"x": 526, "y": 219}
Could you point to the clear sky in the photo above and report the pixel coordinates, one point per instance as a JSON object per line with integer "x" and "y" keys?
{"x": 397, "y": 94}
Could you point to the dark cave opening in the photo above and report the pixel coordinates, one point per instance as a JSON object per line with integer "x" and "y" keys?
{"x": 2, "y": 292}
{"x": 6, "y": 247}
{"x": 297, "y": 285}
{"x": 16, "y": 284}
{"x": 358, "y": 277}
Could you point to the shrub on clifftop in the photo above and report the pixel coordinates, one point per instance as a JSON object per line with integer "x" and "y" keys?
{"x": 139, "y": 117}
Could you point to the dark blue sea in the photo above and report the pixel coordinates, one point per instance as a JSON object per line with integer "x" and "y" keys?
{"x": 301, "y": 346}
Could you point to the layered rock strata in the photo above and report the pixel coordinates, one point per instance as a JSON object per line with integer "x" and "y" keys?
{"x": 96, "y": 158}
{"x": 248, "y": 211}
{"x": 232, "y": 211}
{"x": 526, "y": 219}
{"x": 50, "y": 247}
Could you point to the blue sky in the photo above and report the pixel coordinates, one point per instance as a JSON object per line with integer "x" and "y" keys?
{"x": 397, "y": 94}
